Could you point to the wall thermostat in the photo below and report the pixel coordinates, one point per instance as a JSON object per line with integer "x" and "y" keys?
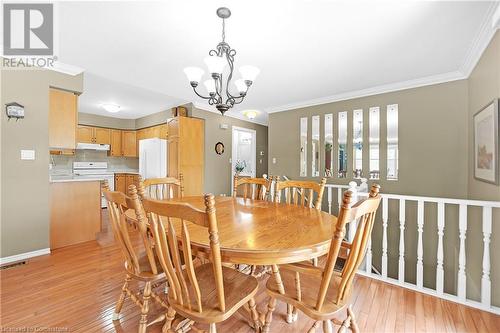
{"x": 14, "y": 110}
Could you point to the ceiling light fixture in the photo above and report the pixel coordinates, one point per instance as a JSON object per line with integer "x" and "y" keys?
{"x": 251, "y": 114}
{"x": 113, "y": 108}
{"x": 217, "y": 86}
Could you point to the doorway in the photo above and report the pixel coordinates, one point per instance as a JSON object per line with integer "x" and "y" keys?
{"x": 244, "y": 152}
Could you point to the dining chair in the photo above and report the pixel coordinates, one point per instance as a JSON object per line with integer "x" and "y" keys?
{"x": 207, "y": 293}
{"x": 253, "y": 188}
{"x": 141, "y": 263}
{"x": 161, "y": 188}
{"x": 320, "y": 292}
{"x": 300, "y": 192}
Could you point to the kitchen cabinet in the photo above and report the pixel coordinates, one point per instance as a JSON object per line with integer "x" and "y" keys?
{"x": 120, "y": 182}
{"x": 116, "y": 143}
{"x": 129, "y": 144}
{"x": 63, "y": 118}
{"x": 158, "y": 131}
{"x": 186, "y": 142}
{"x": 124, "y": 180}
{"x": 89, "y": 134}
{"x": 102, "y": 135}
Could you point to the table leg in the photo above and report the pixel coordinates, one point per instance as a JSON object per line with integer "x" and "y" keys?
{"x": 281, "y": 289}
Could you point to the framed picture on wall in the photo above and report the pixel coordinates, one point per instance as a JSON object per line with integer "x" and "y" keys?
{"x": 486, "y": 149}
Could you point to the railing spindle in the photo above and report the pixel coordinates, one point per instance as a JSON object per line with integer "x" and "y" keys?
{"x": 385, "y": 217}
{"x": 440, "y": 252}
{"x": 420, "y": 246}
{"x": 485, "y": 279}
{"x": 402, "y": 218}
{"x": 329, "y": 192}
{"x": 462, "y": 226}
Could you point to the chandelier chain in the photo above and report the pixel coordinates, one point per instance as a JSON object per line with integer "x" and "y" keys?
{"x": 223, "y": 30}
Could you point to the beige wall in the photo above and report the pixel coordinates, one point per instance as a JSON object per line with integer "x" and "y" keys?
{"x": 25, "y": 184}
{"x": 217, "y": 167}
{"x": 484, "y": 86}
{"x": 103, "y": 121}
{"x": 432, "y": 144}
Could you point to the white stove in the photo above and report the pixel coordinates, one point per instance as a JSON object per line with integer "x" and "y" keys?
{"x": 94, "y": 170}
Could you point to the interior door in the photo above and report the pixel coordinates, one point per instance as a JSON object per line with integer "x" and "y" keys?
{"x": 244, "y": 152}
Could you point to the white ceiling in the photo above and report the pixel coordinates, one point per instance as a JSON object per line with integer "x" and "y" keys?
{"x": 134, "y": 102}
{"x": 309, "y": 52}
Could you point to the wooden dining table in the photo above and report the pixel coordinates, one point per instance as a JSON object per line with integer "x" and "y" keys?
{"x": 257, "y": 232}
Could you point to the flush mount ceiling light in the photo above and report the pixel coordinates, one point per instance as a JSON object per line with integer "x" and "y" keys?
{"x": 113, "y": 108}
{"x": 251, "y": 114}
{"x": 217, "y": 86}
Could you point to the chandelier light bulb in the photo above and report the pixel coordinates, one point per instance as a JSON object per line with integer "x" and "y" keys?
{"x": 210, "y": 85}
{"x": 241, "y": 86}
{"x": 249, "y": 73}
{"x": 215, "y": 64}
{"x": 194, "y": 74}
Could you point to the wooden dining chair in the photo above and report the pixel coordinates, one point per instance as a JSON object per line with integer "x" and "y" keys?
{"x": 161, "y": 188}
{"x": 207, "y": 293}
{"x": 253, "y": 188}
{"x": 300, "y": 192}
{"x": 320, "y": 292}
{"x": 141, "y": 263}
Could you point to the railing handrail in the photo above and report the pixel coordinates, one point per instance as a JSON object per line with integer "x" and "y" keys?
{"x": 468, "y": 202}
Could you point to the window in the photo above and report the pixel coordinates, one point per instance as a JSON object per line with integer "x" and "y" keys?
{"x": 315, "y": 147}
{"x": 342, "y": 141}
{"x": 374, "y": 141}
{"x": 357, "y": 144}
{"x": 303, "y": 147}
{"x": 328, "y": 145}
{"x": 392, "y": 142}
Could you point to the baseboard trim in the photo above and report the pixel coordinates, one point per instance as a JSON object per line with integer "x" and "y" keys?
{"x": 24, "y": 256}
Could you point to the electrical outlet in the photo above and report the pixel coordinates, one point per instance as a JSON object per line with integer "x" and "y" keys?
{"x": 274, "y": 160}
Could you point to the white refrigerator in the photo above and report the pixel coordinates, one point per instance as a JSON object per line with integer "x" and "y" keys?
{"x": 153, "y": 158}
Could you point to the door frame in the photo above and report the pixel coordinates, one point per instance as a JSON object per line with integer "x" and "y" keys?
{"x": 233, "y": 151}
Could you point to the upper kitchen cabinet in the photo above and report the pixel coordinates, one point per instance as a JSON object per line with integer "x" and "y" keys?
{"x": 88, "y": 134}
{"x": 129, "y": 144}
{"x": 116, "y": 143}
{"x": 63, "y": 118}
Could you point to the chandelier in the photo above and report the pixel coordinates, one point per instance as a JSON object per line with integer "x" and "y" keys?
{"x": 217, "y": 86}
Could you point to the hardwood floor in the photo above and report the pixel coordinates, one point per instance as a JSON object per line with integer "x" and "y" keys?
{"x": 75, "y": 289}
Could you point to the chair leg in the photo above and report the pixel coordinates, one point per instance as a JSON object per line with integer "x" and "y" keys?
{"x": 213, "y": 328}
{"x": 354, "y": 324}
{"x": 327, "y": 326}
{"x": 254, "y": 314}
{"x": 314, "y": 327}
{"x": 143, "y": 322}
{"x": 349, "y": 322}
{"x": 122, "y": 297}
{"x": 168, "y": 320}
{"x": 269, "y": 315}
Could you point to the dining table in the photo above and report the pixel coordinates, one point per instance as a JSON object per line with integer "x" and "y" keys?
{"x": 258, "y": 232}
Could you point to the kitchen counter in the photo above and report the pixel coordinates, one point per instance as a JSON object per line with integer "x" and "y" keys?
{"x": 64, "y": 179}
{"x": 75, "y": 212}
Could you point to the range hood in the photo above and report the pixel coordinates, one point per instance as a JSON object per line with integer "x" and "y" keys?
{"x": 92, "y": 146}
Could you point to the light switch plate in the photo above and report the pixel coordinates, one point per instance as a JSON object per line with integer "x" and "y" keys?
{"x": 27, "y": 154}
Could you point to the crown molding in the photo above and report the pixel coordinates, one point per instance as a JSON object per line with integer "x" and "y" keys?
{"x": 482, "y": 40}
{"x": 386, "y": 88}
{"x": 232, "y": 114}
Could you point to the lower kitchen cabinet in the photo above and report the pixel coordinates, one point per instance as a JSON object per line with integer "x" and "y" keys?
{"x": 124, "y": 180}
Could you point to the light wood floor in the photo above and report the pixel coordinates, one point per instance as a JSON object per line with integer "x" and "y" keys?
{"x": 75, "y": 288}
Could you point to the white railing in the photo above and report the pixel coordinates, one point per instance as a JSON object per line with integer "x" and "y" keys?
{"x": 332, "y": 201}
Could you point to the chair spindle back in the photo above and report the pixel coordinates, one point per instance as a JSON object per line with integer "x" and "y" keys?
{"x": 162, "y": 188}
{"x": 364, "y": 211}
{"x": 300, "y": 192}
{"x": 118, "y": 203}
{"x": 253, "y": 188}
{"x": 166, "y": 220}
